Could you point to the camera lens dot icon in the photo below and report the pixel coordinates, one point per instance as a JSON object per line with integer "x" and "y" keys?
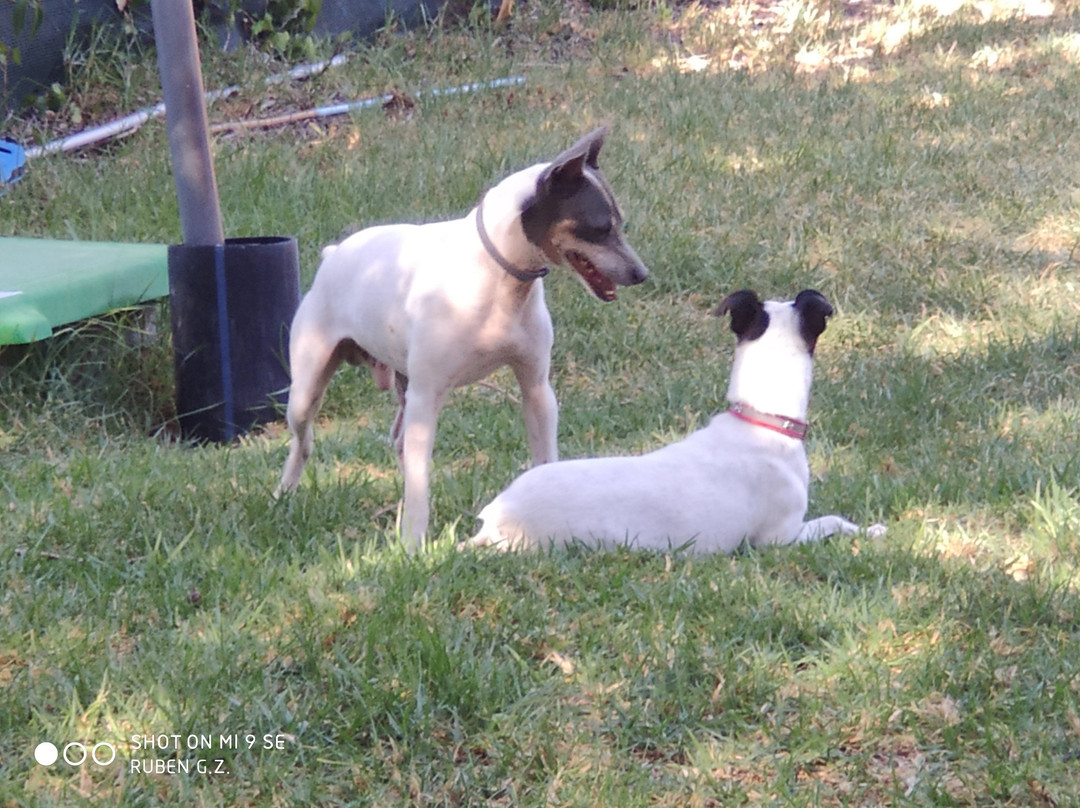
{"x": 46, "y": 753}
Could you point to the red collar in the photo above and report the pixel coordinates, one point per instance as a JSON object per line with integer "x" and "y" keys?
{"x": 792, "y": 427}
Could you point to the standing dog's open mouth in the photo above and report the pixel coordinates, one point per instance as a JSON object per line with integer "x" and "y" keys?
{"x": 599, "y": 283}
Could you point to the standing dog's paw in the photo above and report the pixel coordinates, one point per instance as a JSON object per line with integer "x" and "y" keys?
{"x": 875, "y": 531}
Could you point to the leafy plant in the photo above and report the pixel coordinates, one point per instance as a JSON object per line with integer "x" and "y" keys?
{"x": 25, "y": 15}
{"x": 284, "y": 27}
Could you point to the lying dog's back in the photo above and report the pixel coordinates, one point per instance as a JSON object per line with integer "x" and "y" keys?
{"x": 706, "y": 489}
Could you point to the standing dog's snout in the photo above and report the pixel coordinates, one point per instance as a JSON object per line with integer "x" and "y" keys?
{"x": 637, "y": 271}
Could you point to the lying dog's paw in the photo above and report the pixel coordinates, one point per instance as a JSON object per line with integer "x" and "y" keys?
{"x": 875, "y": 531}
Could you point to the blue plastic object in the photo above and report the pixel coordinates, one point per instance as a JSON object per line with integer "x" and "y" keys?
{"x": 12, "y": 160}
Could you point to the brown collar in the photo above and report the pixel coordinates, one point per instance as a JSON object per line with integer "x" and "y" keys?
{"x": 524, "y": 275}
{"x": 792, "y": 427}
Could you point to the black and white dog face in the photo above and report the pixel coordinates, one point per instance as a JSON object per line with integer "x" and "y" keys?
{"x": 775, "y": 347}
{"x": 575, "y": 219}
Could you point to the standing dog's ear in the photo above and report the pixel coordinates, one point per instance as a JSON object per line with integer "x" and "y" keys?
{"x": 570, "y": 165}
{"x": 748, "y": 316}
{"x": 813, "y": 310}
{"x": 594, "y": 140}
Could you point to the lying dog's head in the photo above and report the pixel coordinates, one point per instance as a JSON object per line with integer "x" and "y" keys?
{"x": 750, "y": 317}
{"x": 774, "y": 354}
{"x": 574, "y": 218}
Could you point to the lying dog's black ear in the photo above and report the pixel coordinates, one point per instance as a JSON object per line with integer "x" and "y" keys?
{"x": 813, "y": 310}
{"x": 748, "y": 316}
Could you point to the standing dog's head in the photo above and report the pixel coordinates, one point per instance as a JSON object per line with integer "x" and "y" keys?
{"x": 775, "y": 346}
{"x": 574, "y": 218}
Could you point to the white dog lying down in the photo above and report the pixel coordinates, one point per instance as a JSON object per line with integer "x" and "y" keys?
{"x": 744, "y": 477}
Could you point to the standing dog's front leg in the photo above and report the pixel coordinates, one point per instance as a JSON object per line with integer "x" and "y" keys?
{"x": 421, "y": 411}
{"x": 541, "y": 410}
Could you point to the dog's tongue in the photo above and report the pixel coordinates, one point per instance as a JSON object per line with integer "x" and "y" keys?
{"x": 596, "y": 281}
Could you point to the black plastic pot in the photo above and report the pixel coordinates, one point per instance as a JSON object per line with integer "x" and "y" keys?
{"x": 231, "y": 308}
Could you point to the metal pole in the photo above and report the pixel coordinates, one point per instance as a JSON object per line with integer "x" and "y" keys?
{"x": 185, "y": 119}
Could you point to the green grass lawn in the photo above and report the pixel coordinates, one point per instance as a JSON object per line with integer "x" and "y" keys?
{"x": 920, "y": 165}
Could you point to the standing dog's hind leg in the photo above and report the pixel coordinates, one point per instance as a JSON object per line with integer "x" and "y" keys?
{"x": 313, "y": 364}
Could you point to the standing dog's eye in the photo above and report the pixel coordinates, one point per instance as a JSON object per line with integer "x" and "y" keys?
{"x": 594, "y": 232}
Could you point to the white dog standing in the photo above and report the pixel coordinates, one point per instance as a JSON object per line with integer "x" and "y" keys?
{"x": 744, "y": 477}
{"x": 432, "y": 307}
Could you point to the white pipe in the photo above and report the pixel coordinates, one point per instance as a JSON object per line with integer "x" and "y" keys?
{"x": 365, "y": 103}
{"x": 479, "y": 85}
{"x": 120, "y": 126}
{"x": 303, "y": 71}
{"x": 129, "y": 123}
